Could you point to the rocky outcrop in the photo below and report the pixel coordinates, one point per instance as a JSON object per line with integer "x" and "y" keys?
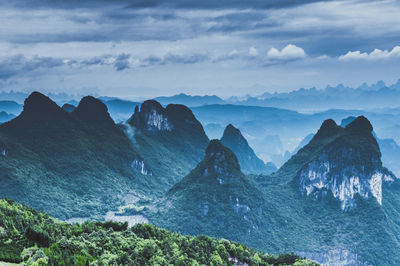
{"x": 3, "y": 149}
{"x": 337, "y": 257}
{"x": 348, "y": 165}
{"x": 175, "y": 118}
{"x": 140, "y": 167}
{"x": 151, "y": 117}
{"x": 344, "y": 183}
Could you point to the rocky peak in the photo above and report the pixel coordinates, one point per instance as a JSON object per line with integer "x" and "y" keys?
{"x": 328, "y": 129}
{"x": 360, "y": 125}
{"x": 220, "y": 161}
{"x": 3, "y": 149}
{"x": 346, "y": 166}
{"x": 248, "y": 160}
{"x": 233, "y": 135}
{"x": 40, "y": 105}
{"x": 151, "y": 117}
{"x": 92, "y": 110}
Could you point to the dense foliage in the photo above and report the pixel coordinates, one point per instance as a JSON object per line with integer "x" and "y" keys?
{"x": 81, "y": 160}
{"x": 37, "y": 239}
{"x": 279, "y": 218}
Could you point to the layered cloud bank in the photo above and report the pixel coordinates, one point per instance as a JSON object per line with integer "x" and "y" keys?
{"x": 229, "y": 47}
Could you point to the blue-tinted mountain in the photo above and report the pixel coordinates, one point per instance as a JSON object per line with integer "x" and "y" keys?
{"x": 171, "y": 139}
{"x": 10, "y": 107}
{"x": 338, "y": 97}
{"x": 68, "y": 107}
{"x": 190, "y": 100}
{"x": 120, "y": 110}
{"x": 347, "y": 163}
{"x": 4, "y": 117}
{"x": 69, "y": 164}
{"x": 215, "y": 198}
{"x": 248, "y": 160}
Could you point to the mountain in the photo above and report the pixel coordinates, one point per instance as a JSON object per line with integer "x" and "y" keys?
{"x": 333, "y": 201}
{"x": 249, "y": 162}
{"x": 190, "y": 100}
{"x": 74, "y": 164}
{"x": 36, "y": 238}
{"x": 4, "y": 117}
{"x": 335, "y": 168}
{"x": 390, "y": 154}
{"x": 389, "y": 148}
{"x": 265, "y": 128}
{"x": 68, "y": 107}
{"x": 10, "y": 107}
{"x": 338, "y": 97}
{"x": 120, "y": 110}
{"x": 215, "y": 198}
{"x": 171, "y": 139}
{"x": 339, "y": 175}
{"x": 303, "y": 142}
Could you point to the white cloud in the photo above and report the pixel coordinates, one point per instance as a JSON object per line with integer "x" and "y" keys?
{"x": 253, "y": 51}
{"x": 290, "y": 52}
{"x": 375, "y": 54}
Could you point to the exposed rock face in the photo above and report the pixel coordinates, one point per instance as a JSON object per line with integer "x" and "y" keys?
{"x": 140, "y": 166}
{"x": 248, "y": 160}
{"x": 176, "y": 118}
{"x": 323, "y": 175}
{"x": 152, "y": 117}
{"x": 337, "y": 257}
{"x": 3, "y": 149}
{"x": 347, "y": 166}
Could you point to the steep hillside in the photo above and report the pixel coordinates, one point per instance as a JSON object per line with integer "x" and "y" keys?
{"x": 171, "y": 139}
{"x": 248, "y": 160}
{"x": 216, "y": 198}
{"x": 69, "y": 164}
{"x": 332, "y": 201}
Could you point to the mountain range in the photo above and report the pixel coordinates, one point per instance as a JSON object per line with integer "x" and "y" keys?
{"x": 333, "y": 198}
{"x": 69, "y": 164}
{"x": 332, "y": 201}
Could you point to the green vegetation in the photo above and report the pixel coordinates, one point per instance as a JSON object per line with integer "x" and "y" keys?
{"x": 279, "y": 218}
{"x": 69, "y": 164}
{"x": 170, "y": 154}
{"x": 35, "y": 238}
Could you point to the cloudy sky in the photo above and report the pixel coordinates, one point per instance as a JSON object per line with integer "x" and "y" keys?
{"x": 136, "y": 49}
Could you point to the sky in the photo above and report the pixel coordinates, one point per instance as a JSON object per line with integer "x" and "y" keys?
{"x": 139, "y": 49}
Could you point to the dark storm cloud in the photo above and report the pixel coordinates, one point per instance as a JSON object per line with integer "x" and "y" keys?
{"x": 140, "y": 4}
{"x": 122, "y": 62}
{"x": 174, "y": 59}
{"x": 20, "y": 64}
{"x": 159, "y": 20}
